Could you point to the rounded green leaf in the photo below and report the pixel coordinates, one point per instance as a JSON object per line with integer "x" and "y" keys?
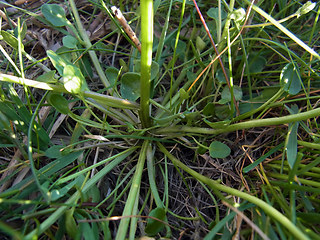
{"x": 290, "y": 79}
{"x": 154, "y": 68}
{"x": 54, "y": 14}
{"x": 226, "y": 95}
{"x": 124, "y": 65}
{"x": 130, "y": 86}
{"x": 58, "y": 102}
{"x": 58, "y": 62}
{"x": 219, "y": 150}
{"x": 209, "y": 109}
{"x": 69, "y": 42}
{"x": 220, "y": 75}
{"x": 256, "y": 63}
{"x": 183, "y": 94}
{"x": 154, "y": 226}
{"x": 112, "y": 75}
{"x": 191, "y": 76}
{"x": 222, "y": 112}
{"x": 47, "y": 77}
{"x": 200, "y": 44}
{"x": 181, "y": 47}
{"x": 93, "y": 194}
{"x": 214, "y": 13}
{"x": 73, "y": 80}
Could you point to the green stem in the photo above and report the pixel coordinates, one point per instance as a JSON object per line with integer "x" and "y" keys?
{"x": 146, "y": 7}
{"x": 272, "y": 212}
{"x": 243, "y": 125}
{"x": 134, "y": 191}
{"x": 309, "y": 145}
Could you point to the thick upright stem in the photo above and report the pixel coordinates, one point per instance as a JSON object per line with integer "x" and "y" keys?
{"x": 146, "y": 59}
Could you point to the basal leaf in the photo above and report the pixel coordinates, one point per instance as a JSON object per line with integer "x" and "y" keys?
{"x": 130, "y": 86}
{"x": 112, "y": 75}
{"x": 214, "y": 13}
{"x": 181, "y": 47}
{"x": 73, "y": 80}
{"x": 19, "y": 114}
{"x": 290, "y": 79}
{"x": 154, "y": 226}
{"x": 222, "y": 112}
{"x": 58, "y": 62}
{"x": 86, "y": 230}
{"x": 47, "y": 77}
{"x": 183, "y": 94}
{"x": 58, "y": 102}
{"x": 69, "y": 42}
{"x": 4, "y": 122}
{"x": 219, "y": 150}
{"x": 154, "y": 68}
{"x": 85, "y": 66}
{"x": 93, "y": 194}
{"x": 226, "y": 95}
{"x": 293, "y": 110}
{"x": 124, "y": 65}
{"x": 208, "y": 110}
{"x": 256, "y": 63}
{"x": 54, "y": 14}
{"x": 191, "y": 76}
{"x": 220, "y": 75}
{"x": 200, "y": 44}
{"x": 191, "y": 117}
